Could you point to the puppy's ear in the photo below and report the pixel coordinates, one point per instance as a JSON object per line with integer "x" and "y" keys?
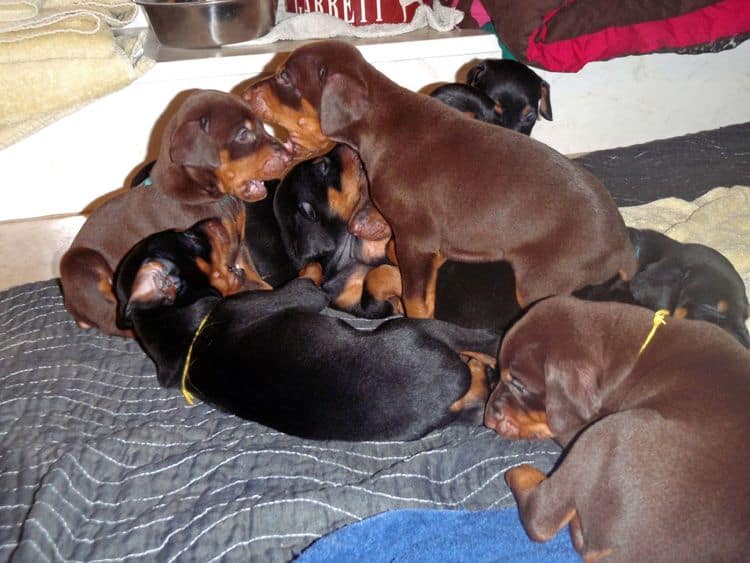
{"x": 153, "y": 285}
{"x": 191, "y": 145}
{"x": 572, "y": 399}
{"x": 545, "y": 102}
{"x": 343, "y": 101}
{"x": 474, "y": 73}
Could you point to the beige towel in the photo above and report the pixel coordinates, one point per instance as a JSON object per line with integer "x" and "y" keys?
{"x": 719, "y": 219}
{"x": 26, "y": 19}
{"x": 38, "y": 91}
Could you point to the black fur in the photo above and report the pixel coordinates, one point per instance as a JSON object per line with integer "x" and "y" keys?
{"x": 272, "y": 357}
{"x": 520, "y": 92}
{"x": 693, "y": 277}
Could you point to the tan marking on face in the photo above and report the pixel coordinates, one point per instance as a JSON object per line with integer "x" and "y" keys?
{"x": 478, "y": 390}
{"x": 343, "y": 202}
{"x": 722, "y": 306}
{"x": 680, "y": 313}
{"x": 231, "y": 269}
{"x": 303, "y": 126}
{"x": 531, "y": 424}
{"x": 233, "y": 176}
{"x": 105, "y": 288}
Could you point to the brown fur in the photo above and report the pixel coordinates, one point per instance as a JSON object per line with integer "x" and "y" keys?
{"x": 476, "y": 193}
{"x": 657, "y": 453}
{"x": 199, "y": 170}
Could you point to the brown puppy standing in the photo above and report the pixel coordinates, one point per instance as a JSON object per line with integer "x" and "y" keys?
{"x": 657, "y": 451}
{"x": 213, "y": 149}
{"x": 448, "y": 186}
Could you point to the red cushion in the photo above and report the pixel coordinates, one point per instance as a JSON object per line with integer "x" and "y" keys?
{"x": 722, "y": 19}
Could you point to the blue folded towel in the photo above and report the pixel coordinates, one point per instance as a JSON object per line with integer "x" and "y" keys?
{"x": 438, "y": 535}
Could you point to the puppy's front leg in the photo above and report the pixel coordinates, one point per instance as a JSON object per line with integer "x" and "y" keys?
{"x": 419, "y": 280}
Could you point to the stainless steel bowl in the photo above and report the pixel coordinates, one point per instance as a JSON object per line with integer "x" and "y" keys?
{"x": 198, "y": 24}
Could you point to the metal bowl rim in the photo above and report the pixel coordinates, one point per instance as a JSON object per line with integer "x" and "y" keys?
{"x": 186, "y": 3}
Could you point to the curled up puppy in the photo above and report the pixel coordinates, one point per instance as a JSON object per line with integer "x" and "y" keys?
{"x": 272, "y": 357}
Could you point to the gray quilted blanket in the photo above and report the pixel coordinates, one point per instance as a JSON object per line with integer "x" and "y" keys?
{"x": 98, "y": 463}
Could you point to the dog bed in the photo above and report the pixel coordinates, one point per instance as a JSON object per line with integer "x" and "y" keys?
{"x": 565, "y": 35}
{"x": 98, "y": 463}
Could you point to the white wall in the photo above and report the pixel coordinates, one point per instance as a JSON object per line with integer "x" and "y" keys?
{"x": 69, "y": 164}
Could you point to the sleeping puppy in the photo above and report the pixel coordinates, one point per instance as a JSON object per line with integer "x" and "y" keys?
{"x": 471, "y": 101}
{"x": 213, "y": 151}
{"x": 519, "y": 93}
{"x": 690, "y": 280}
{"x": 270, "y": 356}
{"x": 653, "y": 418}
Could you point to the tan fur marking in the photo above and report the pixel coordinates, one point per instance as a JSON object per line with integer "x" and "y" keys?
{"x": 531, "y": 424}
{"x": 430, "y": 291}
{"x": 680, "y": 313}
{"x": 313, "y": 271}
{"x": 519, "y": 298}
{"x": 384, "y": 282}
{"x": 478, "y": 391}
{"x": 352, "y": 293}
{"x": 524, "y": 477}
{"x": 722, "y": 306}
{"x": 594, "y": 556}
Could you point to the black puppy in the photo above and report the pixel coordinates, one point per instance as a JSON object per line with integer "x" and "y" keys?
{"x": 520, "y": 93}
{"x": 690, "y": 280}
{"x": 270, "y": 356}
{"x": 263, "y": 239}
{"x": 470, "y": 101}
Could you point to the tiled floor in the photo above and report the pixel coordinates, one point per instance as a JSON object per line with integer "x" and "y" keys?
{"x": 30, "y": 250}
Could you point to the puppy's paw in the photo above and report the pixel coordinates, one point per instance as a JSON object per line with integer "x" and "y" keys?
{"x": 312, "y": 271}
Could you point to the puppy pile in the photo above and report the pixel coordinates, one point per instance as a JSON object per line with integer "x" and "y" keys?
{"x": 522, "y": 300}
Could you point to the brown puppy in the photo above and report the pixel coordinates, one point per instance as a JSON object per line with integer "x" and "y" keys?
{"x": 655, "y": 427}
{"x": 213, "y": 149}
{"x": 450, "y": 187}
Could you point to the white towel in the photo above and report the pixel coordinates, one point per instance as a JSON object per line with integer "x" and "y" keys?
{"x": 290, "y": 26}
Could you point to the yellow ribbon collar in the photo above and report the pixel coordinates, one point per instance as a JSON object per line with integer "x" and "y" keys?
{"x": 185, "y": 378}
{"x": 660, "y": 318}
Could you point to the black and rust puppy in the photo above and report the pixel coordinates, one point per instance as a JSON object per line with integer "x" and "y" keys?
{"x": 272, "y": 357}
{"x": 690, "y": 280}
{"x": 654, "y": 420}
{"x": 471, "y": 101}
{"x": 313, "y": 205}
{"x": 519, "y": 93}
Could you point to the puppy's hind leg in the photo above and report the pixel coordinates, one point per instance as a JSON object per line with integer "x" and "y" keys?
{"x": 86, "y": 280}
{"x": 544, "y": 505}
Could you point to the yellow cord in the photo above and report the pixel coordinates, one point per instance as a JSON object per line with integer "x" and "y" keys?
{"x": 659, "y": 320}
{"x": 185, "y": 393}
